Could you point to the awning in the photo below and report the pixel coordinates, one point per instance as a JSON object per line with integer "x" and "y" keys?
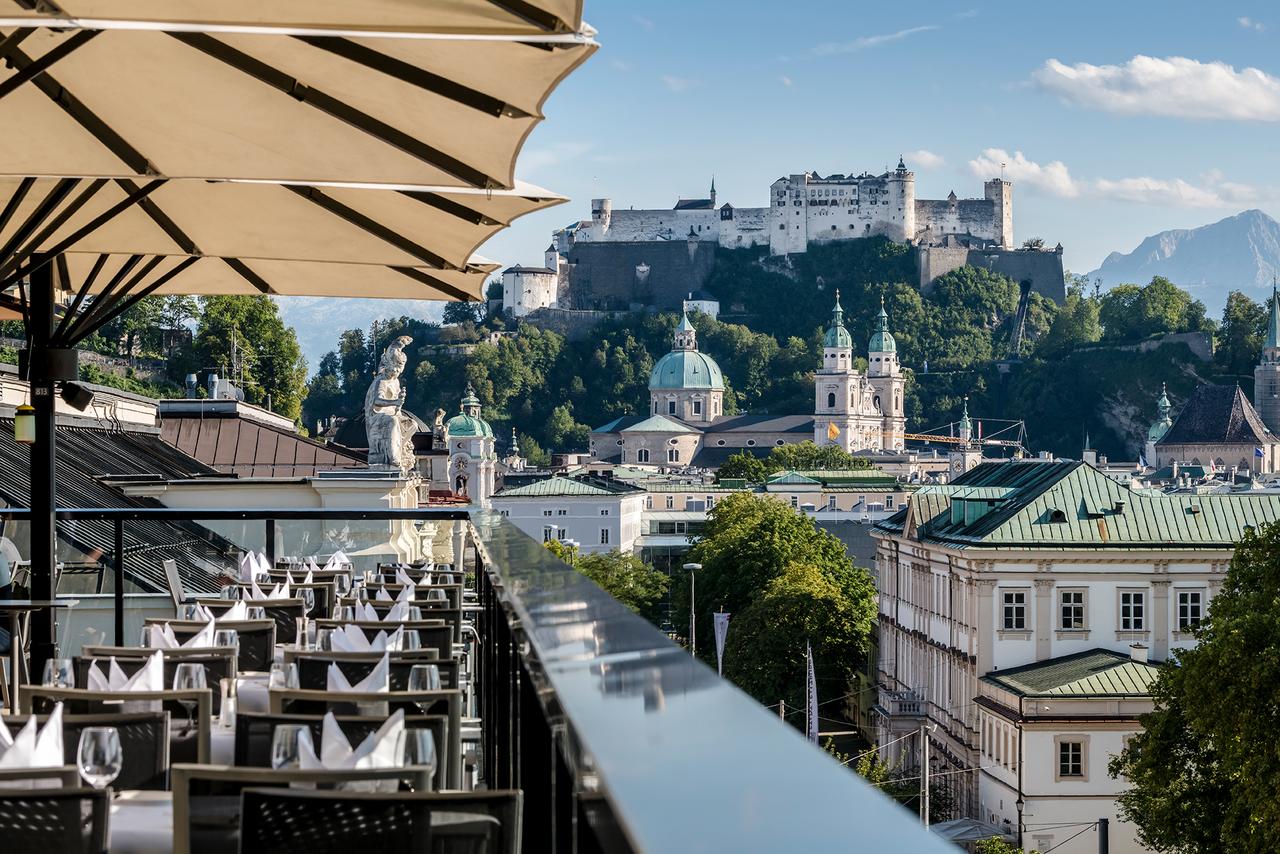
{"x": 969, "y": 830}
{"x": 430, "y": 93}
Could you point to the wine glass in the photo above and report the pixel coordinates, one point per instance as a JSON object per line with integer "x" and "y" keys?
{"x": 424, "y": 677}
{"x": 256, "y": 612}
{"x": 189, "y": 677}
{"x": 324, "y": 639}
{"x": 59, "y": 673}
{"x": 420, "y": 751}
{"x": 435, "y": 594}
{"x": 144, "y": 640}
{"x": 409, "y": 640}
{"x": 308, "y": 596}
{"x": 100, "y": 755}
{"x": 286, "y": 745}
{"x": 415, "y": 613}
{"x": 226, "y": 637}
{"x": 347, "y": 613}
{"x": 362, "y": 593}
{"x": 342, "y": 583}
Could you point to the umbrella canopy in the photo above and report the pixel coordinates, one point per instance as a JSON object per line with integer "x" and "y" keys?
{"x": 250, "y": 237}
{"x": 430, "y": 93}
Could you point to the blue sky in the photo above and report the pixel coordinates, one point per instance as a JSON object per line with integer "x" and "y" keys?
{"x": 1117, "y": 119}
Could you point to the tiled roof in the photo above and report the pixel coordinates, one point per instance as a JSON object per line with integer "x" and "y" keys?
{"x": 568, "y": 486}
{"x": 660, "y": 424}
{"x": 714, "y": 457}
{"x": 1071, "y": 504}
{"x": 248, "y": 448}
{"x": 1220, "y": 415}
{"x": 693, "y": 205}
{"x": 1096, "y": 673}
{"x": 791, "y": 477}
{"x": 619, "y": 424}
{"x": 761, "y": 424}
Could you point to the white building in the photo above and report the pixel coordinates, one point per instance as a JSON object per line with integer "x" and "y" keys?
{"x": 526, "y": 289}
{"x": 598, "y": 513}
{"x": 473, "y": 458}
{"x": 1025, "y": 562}
{"x": 859, "y": 411}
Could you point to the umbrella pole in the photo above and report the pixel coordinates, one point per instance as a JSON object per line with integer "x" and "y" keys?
{"x": 42, "y": 373}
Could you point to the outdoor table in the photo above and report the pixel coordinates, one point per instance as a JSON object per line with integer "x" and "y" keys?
{"x": 15, "y": 608}
{"x": 142, "y": 823}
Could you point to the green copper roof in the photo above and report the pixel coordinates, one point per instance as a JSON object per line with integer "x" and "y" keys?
{"x": 1097, "y": 673}
{"x": 1273, "y": 326}
{"x": 882, "y": 341}
{"x": 1163, "y": 422}
{"x": 791, "y": 478}
{"x": 837, "y": 336}
{"x": 561, "y": 486}
{"x": 1067, "y": 505}
{"x": 685, "y": 325}
{"x": 965, "y": 423}
{"x": 686, "y": 369}
{"x": 659, "y": 424}
{"x": 462, "y": 425}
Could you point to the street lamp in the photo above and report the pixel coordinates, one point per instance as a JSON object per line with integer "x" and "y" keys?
{"x": 1019, "y": 804}
{"x": 691, "y": 568}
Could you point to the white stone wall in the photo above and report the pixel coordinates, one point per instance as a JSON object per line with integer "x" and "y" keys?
{"x": 578, "y": 518}
{"x": 523, "y": 292}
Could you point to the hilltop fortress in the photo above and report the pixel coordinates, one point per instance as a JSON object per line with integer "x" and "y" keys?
{"x": 623, "y": 258}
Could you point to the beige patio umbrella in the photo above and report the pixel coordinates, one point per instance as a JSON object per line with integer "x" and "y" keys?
{"x": 292, "y": 147}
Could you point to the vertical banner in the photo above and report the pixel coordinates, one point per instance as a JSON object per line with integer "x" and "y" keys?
{"x": 722, "y": 631}
{"x": 811, "y": 697}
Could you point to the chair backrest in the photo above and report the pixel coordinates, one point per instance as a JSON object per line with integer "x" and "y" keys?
{"x": 219, "y": 663}
{"x": 255, "y": 730}
{"x": 285, "y": 613}
{"x": 188, "y": 737}
{"x": 206, "y": 800}
{"x": 49, "y": 820}
{"x": 53, "y": 777}
{"x": 432, "y": 634}
{"x": 257, "y": 639}
{"x": 322, "y": 591}
{"x": 144, "y": 739}
{"x": 313, "y": 671}
{"x": 174, "y": 582}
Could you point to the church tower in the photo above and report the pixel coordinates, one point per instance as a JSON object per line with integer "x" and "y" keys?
{"x": 1266, "y": 377}
{"x": 967, "y": 454}
{"x": 885, "y": 375}
{"x": 1162, "y": 423}
{"x": 837, "y": 387}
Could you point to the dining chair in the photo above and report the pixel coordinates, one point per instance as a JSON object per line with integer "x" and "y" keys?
{"x": 432, "y": 634}
{"x": 188, "y": 736}
{"x": 285, "y": 613}
{"x": 256, "y": 639}
{"x": 53, "y": 776}
{"x": 219, "y": 663}
{"x": 313, "y": 669}
{"x": 55, "y": 820}
{"x": 144, "y": 741}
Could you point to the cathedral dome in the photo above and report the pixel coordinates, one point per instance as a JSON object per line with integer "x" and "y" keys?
{"x": 882, "y": 341}
{"x": 463, "y": 425}
{"x": 837, "y": 337}
{"x": 686, "y": 369}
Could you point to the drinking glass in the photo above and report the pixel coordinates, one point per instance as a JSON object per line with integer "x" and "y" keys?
{"x": 145, "y": 640}
{"x": 308, "y": 596}
{"x": 436, "y": 594}
{"x": 189, "y": 611}
{"x": 226, "y": 637}
{"x": 286, "y": 745}
{"x": 59, "y": 673}
{"x": 362, "y": 593}
{"x": 420, "y": 750}
{"x": 324, "y": 639}
{"x": 189, "y": 677}
{"x": 342, "y": 583}
{"x": 99, "y": 755}
{"x": 409, "y": 641}
{"x": 369, "y": 576}
{"x": 424, "y": 677}
{"x": 256, "y": 612}
{"x": 347, "y": 613}
{"x": 415, "y": 613}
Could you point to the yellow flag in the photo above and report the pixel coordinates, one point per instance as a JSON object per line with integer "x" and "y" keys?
{"x": 833, "y": 432}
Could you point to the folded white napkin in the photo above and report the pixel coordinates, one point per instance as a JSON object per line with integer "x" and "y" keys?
{"x": 162, "y": 637}
{"x": 397, "y": 613}
{"x": 352, "y": 639}
{"x": 150, "y": 677}
{"x": 337, "y": 560}
{"x": 202, "y": 613}
{"x": 280, "y": 591}
{"x": 308, "y": 579}
{"x": 426, "y": 580}
{"x": 379, "y": 679}
{"x": 248, "y": 567}
{"x": 402, "y": 577}
{"x": 235, "y": 613}
{"x": 32, "y": 749}
{"x": 381, "y": 749}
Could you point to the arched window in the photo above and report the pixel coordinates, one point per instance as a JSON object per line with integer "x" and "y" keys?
{"x": 831, "y": 400}
{"x": 642, "y": 455}
{"x": 655, "y": 407}
{"x": 673, "y": 455}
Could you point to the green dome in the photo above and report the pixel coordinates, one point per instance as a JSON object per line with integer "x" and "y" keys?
{"x": 686, "y": 369}
{"x": 837, "y": 336}
{"x": 882, "y": 341}
{"x": 468, "y": 425}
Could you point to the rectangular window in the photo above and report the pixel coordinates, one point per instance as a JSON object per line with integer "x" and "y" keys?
{"x": 546, "y": 512}
{"x": 548, "y": 533}
{"x": 888, "y": 502}
{"x": 831, "y": 502}
{"x": 1071, "y": 604}
{"x": 562, "y": 512}
{"x": 1190, "y": 609}
{"x": 1070, "y": 759}
{"x": 1015, "y": 610}
{"x": 671, "y": 407}
{"x": 697, "y": 407}
{"x": 711, "y": 502}
{"x": 671, "y": 502}
{"x": 648, "y": 502}
{"x": 1133, "y": 616}
{"x": 504, "y": 512}
{"x": 604, "y": 511}
{"x": 604, "y": 536}
{"x": 795, "y": 501}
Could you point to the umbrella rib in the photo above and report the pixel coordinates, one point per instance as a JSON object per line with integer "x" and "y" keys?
{"x": 47, "y": 205}
{"x": 44, "y": 63}
{"x": 105, "y": 307}
{"x": 53, "y": 224}
{"x": 86, "y": 118}
{"x": 81, "y": 293}
{"x": 249, "y": 275}
{"x": 160, "y": 218}
{"x": 428, "y": 279}
{"x": 451, "y": 207}
{"x": 335, "y": 107}
{"x": 532, "y": 14}
{"x": 370, "y": 225}
{"x": 24, "y": 187}
{"x": 122, "y": 306}
{"x": 125, "y": 268}
{"x": 407, "y": 72}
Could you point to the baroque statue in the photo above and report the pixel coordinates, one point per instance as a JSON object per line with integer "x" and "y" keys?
{"x": 389, "y": 429}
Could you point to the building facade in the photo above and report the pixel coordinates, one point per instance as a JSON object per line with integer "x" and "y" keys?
{"x": 1023, "y": 562}
{"x": 854, "y": 410}
{"x": 599, "y": 514}
{"x": 526, "y": 289}
{"x": 686, "y": 384}
{"x": 1266, "y": 376}
{"x": 1219, "y": 429}
{"x": 473, "y": 457}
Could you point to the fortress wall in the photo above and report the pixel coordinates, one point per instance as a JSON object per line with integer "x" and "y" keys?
{"x": 1043, "y": 269}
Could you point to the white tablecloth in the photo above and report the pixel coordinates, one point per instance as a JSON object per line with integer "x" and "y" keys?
{"x": 252, "y": 694}
{"x": 142, "y": 823}
{"x": 222, "y": 745}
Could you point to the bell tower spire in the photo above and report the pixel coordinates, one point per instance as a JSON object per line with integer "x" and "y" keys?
{"x": 1266, "y": 376}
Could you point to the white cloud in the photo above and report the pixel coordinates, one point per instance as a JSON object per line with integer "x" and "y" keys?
{"x": 1175, "y": 86}
{"x": 785, "y": 80}
{"x": 1053, "y": 178}
{"x": 1210, "y": 190}
{"x": 835, "y": 48}
{"x": 645, "y": 23}
{"x": 924, "y": 159}
{"x": 967, "y": 13}
{"x": 676, "y": 84}
{"x": 1251, "y": 24}
{"x": 621, "y": 65}
{"x": 535, "y": 160}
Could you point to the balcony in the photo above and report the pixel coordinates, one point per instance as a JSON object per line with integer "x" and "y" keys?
{"x": 619, "y": 740}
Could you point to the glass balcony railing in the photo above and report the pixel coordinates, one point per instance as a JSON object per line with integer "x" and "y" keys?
{"x": 618, "y": 738}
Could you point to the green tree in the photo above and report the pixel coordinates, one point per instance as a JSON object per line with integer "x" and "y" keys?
{"x": 248, "y": 331}
{"x": 533, "y": 452}
{"x": 463, "y": 312}
{"x": 493, "y": 290}
{"x": 564, "y": 433}
{"x": 744, "y": 465}
{"x": 628, "y": 579}
{"x": 807, "y": 456}
{"x": 1133, "y": 312}
{"x": 996, "y": 845}
{"x": 1204, "y": 770}
{"x": 1241, "y": 334}
{"x": 1076, "y": 322}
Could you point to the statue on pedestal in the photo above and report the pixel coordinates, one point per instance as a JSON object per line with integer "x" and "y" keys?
{"x": 389, "y": 429}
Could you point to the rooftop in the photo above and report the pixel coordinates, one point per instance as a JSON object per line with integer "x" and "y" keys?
{"x": 569, "y": 486}
{"x": 1218, "y": 414}
{"x": 1096, "y": 673}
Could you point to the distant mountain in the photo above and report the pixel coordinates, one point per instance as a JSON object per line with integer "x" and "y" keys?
{"x": 1241, "y": 252}
{"x": 320, "y": 320}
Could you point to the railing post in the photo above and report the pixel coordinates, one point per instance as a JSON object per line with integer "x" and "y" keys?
{"x": 269, "y": 544}
{"x": 119, "y": 580}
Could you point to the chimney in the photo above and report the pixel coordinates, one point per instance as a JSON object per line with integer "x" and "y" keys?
{"x": 192, "y": 383}
{"x": 1138, "y": 652}
{"x": 213, "y": 386}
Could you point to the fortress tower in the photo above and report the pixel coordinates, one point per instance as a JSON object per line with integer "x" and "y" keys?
{"x": 1266, "y": 377}
{"x": 1000, "y": 192}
